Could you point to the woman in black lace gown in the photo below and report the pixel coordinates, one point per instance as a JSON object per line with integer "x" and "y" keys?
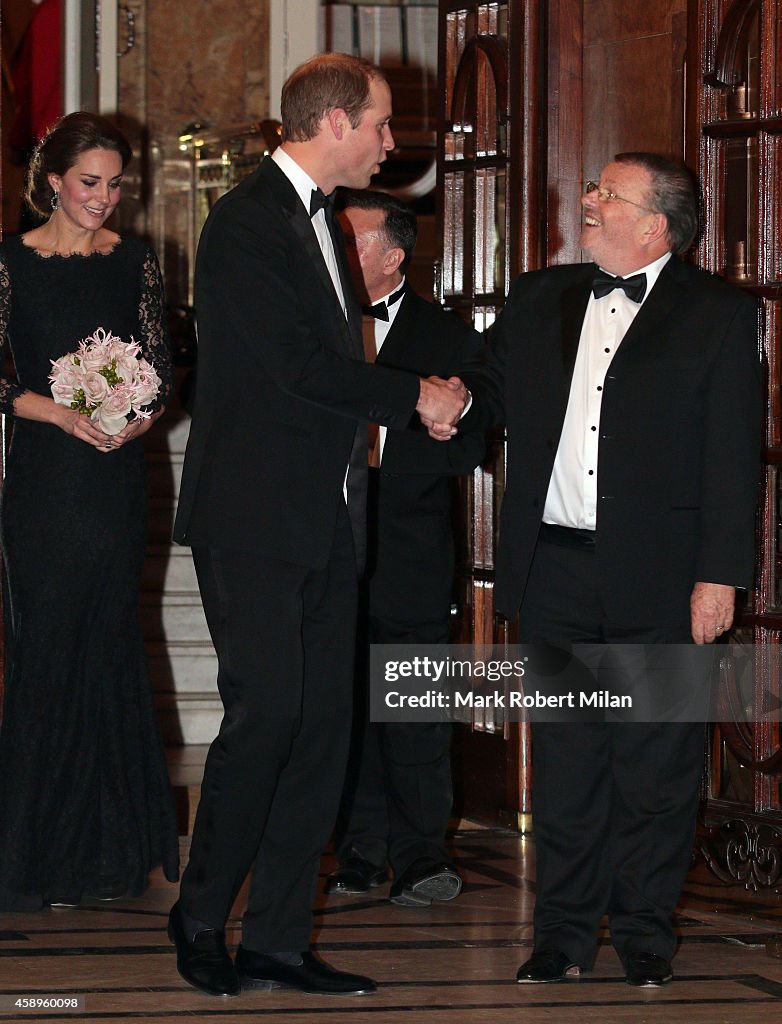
{"x": 85, "y": 804}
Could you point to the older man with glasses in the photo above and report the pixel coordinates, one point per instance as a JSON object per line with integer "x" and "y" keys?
{"x": 630, "y": 388}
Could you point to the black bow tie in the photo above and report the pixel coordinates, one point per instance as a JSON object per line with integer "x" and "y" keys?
{"x": 634, "y": 287}
{"x": 380, "y": 309}
{"x": 320, "y": 201}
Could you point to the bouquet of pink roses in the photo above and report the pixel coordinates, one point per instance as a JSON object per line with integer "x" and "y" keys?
{"x": 107, "y": 379}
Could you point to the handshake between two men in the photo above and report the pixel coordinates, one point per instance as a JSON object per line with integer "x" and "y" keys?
{"x": 441, "y": 404}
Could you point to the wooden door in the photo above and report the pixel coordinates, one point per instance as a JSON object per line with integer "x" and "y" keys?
{"x": 735, "y": 140}
{"x": 491, "y": 216}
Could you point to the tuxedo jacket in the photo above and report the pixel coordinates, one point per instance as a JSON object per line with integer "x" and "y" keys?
{"x": 411, "y": 532}
{"x": 680, "y": 435}
{"x": 283, "y": 392}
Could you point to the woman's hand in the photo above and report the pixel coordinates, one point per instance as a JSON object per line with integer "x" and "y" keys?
{"x": 32, "y": 406}
{"x": 82, "y": 427}
{"x": 136, "y": 428}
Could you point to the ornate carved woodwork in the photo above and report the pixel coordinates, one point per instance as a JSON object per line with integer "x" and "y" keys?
{"x": 492, "y": 218}
{"x": 734, "y": 136}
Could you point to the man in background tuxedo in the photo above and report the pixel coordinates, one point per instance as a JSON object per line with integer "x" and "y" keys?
{"x": 633, "y": 421}
{"x": 273, "y": 504}
{"x": 398, "y": 792}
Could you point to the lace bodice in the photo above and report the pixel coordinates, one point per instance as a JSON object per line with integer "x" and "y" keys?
{"x": 49, "y": 303}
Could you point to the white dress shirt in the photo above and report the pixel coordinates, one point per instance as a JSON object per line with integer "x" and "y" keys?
{"x": 572, "y": 493}
{"x": 304, "y": 185}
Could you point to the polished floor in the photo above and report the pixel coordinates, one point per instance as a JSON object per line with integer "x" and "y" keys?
{"x": 454, "y": 963}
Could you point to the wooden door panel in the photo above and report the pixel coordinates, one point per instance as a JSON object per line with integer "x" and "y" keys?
{"x": 734, "y": 138}
{"x": 480, "y": 226}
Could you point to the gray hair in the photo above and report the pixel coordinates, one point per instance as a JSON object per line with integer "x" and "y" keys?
{"x": 673, "y": 193}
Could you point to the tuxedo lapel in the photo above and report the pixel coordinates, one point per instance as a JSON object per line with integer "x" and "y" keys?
{"x": 301, "y": 223}
{"x": 573, "y": 304}
{"x": 654, "y": 315}
{"x": 400, "y": 337}
{"x": 351, "y": 302}
{"x": 418, "y": 342}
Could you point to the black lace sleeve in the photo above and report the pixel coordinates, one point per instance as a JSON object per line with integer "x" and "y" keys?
{"x": 9, "y": 390}
{"x": 153, "y": 327}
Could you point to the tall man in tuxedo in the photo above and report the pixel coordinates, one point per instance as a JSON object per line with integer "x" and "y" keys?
{"x": 633, "y": 420}
{"x": 398, "y": 792}
{"x": 276, "y": 522}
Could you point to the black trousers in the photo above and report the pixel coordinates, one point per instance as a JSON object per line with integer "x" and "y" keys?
{"x": 614, "y": 803}
{"x": 285, "y": 641}
{"x": 398, "y": 791}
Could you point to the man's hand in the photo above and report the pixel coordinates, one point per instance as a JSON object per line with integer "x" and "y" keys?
{"x": 711, "y": 611}
{"x": 440, "y": 404}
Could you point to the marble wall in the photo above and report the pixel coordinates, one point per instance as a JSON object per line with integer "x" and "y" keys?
{"x": 204, "y": 61}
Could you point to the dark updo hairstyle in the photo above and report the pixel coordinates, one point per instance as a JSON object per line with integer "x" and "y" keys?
{"x": 62, "y": 146}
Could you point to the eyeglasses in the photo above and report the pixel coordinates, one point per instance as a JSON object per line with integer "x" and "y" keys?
{"x": 605, "y": 195}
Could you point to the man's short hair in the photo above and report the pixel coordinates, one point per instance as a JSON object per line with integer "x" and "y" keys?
{"x": 673, "y": 192}
{"x": 321, "y": 84}
{"x": 400, "y": 227}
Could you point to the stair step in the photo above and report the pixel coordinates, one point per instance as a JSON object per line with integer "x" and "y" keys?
{"x": 169, "y": 569}
{"x": 186, "y": 770}
{"x": 169, "y": 434}
{"x": 180, "y": 656}
{"x": 186, "y": 720}
{"x": 183, "y": 668}
{"x": 173, "y": 617}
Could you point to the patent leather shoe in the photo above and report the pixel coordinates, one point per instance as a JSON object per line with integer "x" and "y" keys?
{"x": 355, "y": 876}
{"x": 424, "y": 881}
{"x": 258, "y": 970}
{"x": 546, "y": 966}
{"x": 203, "y": 962}
{"x": 647, "y": 970}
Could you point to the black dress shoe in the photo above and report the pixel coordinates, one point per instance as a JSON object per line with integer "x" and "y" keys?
{"x": 355, "y": 876}
{"x": 204, "y": 963}
{"x": 425, "y": 880}
{"x": 257, "y": 970}
{"x": 647, "y": 970}
{"x": 545, "y": 966}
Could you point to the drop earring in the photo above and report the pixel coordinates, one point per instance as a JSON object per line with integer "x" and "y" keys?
{"x": 55, "y": 201}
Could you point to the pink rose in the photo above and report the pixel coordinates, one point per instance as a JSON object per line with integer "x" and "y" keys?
{"x": 146, "y": 385}
{"x": 96, "y": 388}
{"x": 125, "y": 367}
{"x": 65, "y": 378}
{"x": 92, "y": 357}
{"x": 116, "y": 349}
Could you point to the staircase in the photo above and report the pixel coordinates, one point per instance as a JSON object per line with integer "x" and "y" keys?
{"x": 181, "y": 659}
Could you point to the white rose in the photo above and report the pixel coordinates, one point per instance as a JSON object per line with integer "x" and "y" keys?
{"x": 112, "y": 415}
